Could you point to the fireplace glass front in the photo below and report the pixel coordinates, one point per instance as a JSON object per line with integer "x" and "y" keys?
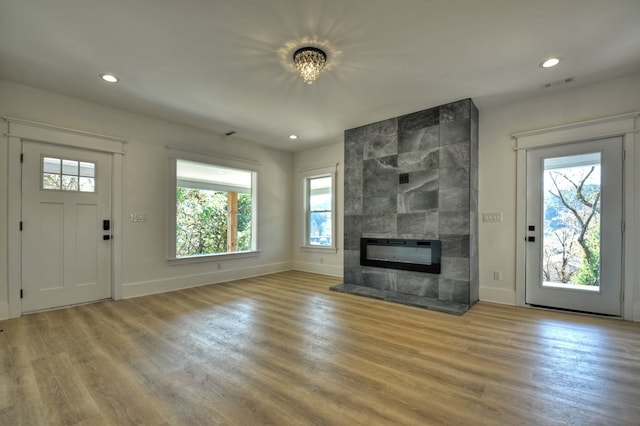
{"x": 411, "y": 255}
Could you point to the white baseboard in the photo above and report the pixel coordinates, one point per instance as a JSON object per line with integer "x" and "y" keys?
{"x": 145, "y": 288}
{"x": 4, "y": 310}
{"x": 498, "y": 295}
{"x": 319, "y": 268}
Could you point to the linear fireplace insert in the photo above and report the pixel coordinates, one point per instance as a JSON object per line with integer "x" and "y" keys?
{"x": 410, "y": 255}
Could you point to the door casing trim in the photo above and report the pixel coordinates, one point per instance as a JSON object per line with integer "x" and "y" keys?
{"x": 626, "y": 126}
{"x": 19, "y": 130}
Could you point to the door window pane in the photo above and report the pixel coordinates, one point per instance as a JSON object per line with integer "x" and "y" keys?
{"x": 571, "y": 222}
{"x": 69, "y": 183}
{"x": 87, "y": 169}
{"x": 51, "y": 181}
{"x": 87, "y": 184}
{"x": 68, "y": 175}
{"x": 51, "y": 165}
{"x": 70, "y": 167}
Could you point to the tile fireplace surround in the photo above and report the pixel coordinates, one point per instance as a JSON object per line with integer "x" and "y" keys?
{"x": 437, "y": 150}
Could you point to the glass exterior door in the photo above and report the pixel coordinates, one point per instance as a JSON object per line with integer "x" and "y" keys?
{"x": 574, "y": 235}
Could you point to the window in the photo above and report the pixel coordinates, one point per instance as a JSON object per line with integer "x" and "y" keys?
{"x": 320, "y": 211}
{"x": 60, "y": 174}
{"x": 214, "y": 209}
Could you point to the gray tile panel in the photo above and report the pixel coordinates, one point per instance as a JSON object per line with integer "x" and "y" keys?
{"x": 437, "y": 148}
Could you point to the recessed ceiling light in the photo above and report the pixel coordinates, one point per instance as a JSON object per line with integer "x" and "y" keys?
{"x": 293, "y": 137}
{"x": 551, "y": 62}
{"x": 109, "y": 78}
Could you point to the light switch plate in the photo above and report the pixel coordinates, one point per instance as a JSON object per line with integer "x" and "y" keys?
{"x": 492, "y": 217}
{"x": 138, "y": 217}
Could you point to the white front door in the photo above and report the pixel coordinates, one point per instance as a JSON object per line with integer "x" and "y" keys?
{"x": 66, "y": 221}
{"x": 574, "y": 226}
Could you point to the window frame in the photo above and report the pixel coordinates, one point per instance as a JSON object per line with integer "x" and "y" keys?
{"x": 306, "y": 177}
{"x": 176, "y": 154}
{"x": 62, "y": 174}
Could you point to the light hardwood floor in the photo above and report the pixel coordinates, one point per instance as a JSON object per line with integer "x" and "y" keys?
{"x": 284, "y": 350}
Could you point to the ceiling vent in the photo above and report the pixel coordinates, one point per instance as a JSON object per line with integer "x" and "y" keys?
{"x": 557, "y": 83}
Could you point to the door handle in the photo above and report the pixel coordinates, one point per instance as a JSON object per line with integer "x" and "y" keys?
{"x": 531, "y": 239}
{"x": 106, "y": 237}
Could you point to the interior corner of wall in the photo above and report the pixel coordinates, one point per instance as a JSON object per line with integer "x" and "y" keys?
{"x": 636, "y": 312}
{"x": 4, "y": 310}
{"x": 318, "y": 268}
{"x": 498, "y": 295}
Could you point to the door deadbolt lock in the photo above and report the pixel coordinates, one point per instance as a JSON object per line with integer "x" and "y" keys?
{"x": 106, "y": 237}
{"x": 531, "y": 239}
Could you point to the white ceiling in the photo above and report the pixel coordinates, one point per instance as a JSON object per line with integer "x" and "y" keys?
{"x": 226, "y": 65}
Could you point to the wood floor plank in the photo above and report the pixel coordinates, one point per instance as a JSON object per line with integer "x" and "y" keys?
{"x": 63, "y": 394}
{"x": 282, "y": 349}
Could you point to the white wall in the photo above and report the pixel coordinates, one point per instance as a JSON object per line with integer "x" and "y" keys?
{"x": 497, "y": 170}
{"x": 497, "y": 175}
{"x": 145, "y": 189}
{"x": 310, "y": 260}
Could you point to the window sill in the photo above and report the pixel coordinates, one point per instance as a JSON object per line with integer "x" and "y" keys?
{"x": 212, "y": 257}
{"x": 319, "y": 249}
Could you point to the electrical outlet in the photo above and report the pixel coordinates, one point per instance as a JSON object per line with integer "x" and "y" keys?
{"x": 492, "y": 217}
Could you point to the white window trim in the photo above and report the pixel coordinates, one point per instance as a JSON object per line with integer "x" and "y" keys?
{"x": 212, "y": 257}
{"x": 220, "y": 161}
{"x": 331, "y": 170}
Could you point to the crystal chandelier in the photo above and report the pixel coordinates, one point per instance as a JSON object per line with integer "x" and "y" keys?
{"x": 309, "y": 62}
